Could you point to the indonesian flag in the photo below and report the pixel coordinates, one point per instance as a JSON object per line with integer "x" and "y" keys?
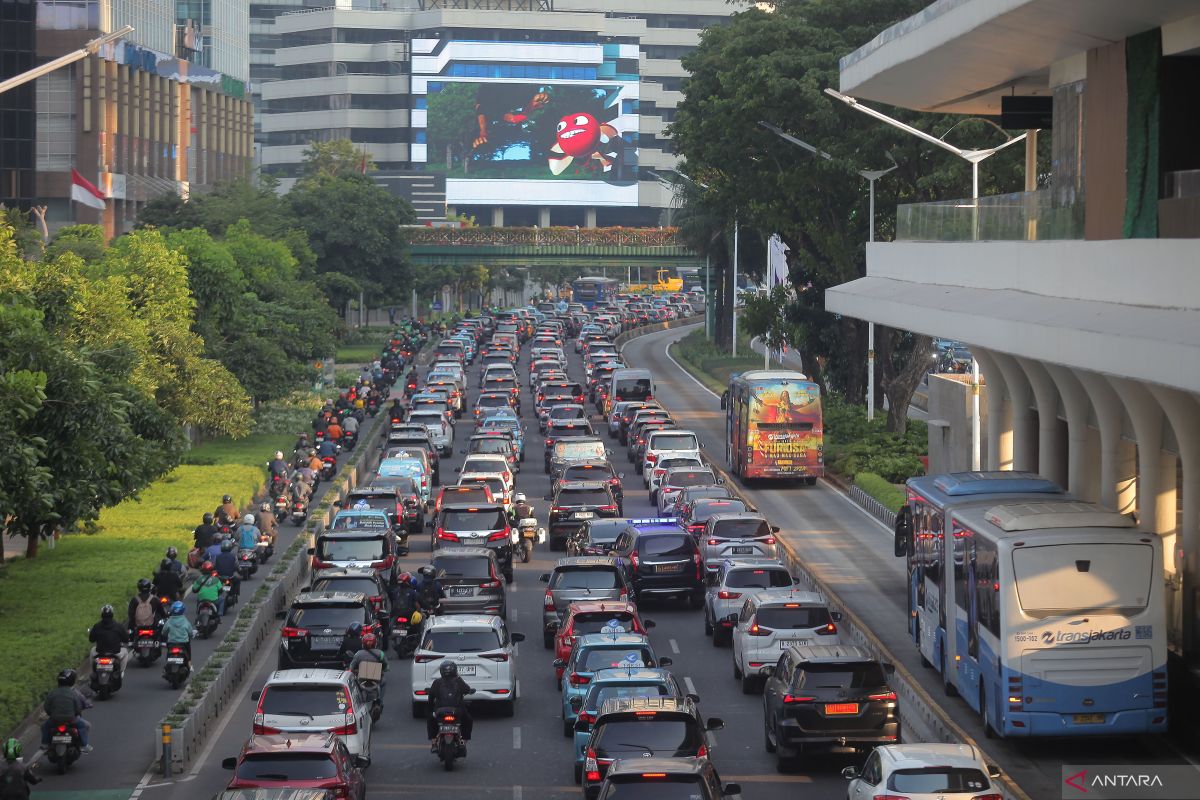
{"x": 84, "y": 191}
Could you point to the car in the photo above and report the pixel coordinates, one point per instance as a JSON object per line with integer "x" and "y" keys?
{"x": 577, "y": 579}
{"x": 664, "y": 779}
{"x": 575, "y": 502}
{"x": 477, "y": 525}
{"x": 411, "y": 464}
{"x": 924, "y": 772}
{"x": 738, "y": 535}
{"x": 567, "y": 412}
{"x": 501, "y": 490}
{"x": 441, "y": 432}
{"x": 494, "y": 443}
{"x": 594, "y": 469}
{"x": 301, "y": 761}
{"x": 773, "y": 620}
{"x": 638, "y": 436}
{"x": 674, "y": 442}
{"x": 483, "y": 650}
{"x": 358, "y": 539}
{"x": 470, "y": 493}
{"x": 608, "y": 684}
{"x": 471, "y": 579}
{"x": 652, "y": 477}
{"x": 679, "y": 478}
{"x": 595, "y": 537}
{"x": 630, "y": 413}
{"x": 314, "y": 628}
{"x": 821, "y": 697}
{"x": 416, "y": 437}
{"x": 694, "y": 513}
{"x": 728, "y": 587}
{"x": 565, "y": 430}
{"x": 298, "y": 701}
{"x": 597, "y": 651}
{"x": 487, "y": 401}
{"x": 364, "y": 581}
{"x": 489, "y": 464}
{"x": 626, "y": 728}
{"x": 576, "y": 449}
{"x": 661, "y": 559}
{"x": 404, "y": 510}
{"x": 614, "y": 415}
{"x": 592, "y": 616}
{"x": 502, "y": 426}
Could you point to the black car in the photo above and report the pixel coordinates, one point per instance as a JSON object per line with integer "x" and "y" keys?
{"x": 363, "y": 581}
{"x": 595, "y": 537}
{"x": 576, "y": 502}
{"x": 662, "y": 561}
{"x": 819, "y": 697}
{"x": 315, "y": 628}
{"x": 592, "y": 470}
{"x": 664, "y": 779}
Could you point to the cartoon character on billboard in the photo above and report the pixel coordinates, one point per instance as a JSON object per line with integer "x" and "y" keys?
{"x": 503, "y": 113}
{"x": 581, "y": 136}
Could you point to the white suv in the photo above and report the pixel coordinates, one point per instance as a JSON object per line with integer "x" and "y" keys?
{"x": 730, "y": 583}
{"x": 924, "y": 772}
{"x": 669, "y": 443}
{"x": 490, "y": 464}
{"x": 770, "y": 622}
{"x": 483, "y": 650}
{"x": 314, "y": 700}
{"x": 653, "y": 477}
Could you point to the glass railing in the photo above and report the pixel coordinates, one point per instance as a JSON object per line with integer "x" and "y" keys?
{"x": 1030, "y": 216}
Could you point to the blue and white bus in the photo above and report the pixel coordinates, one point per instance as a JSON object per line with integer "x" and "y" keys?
{"x": 920, "y": 525}
{"x": 593, "y": 291}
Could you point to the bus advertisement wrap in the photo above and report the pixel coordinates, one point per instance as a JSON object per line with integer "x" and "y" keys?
{"x": 785, "y": 429}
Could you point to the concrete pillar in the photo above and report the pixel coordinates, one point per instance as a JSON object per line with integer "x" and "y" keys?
{"x": 544, "y": 217}
{"x": 999, "y": 424}
{"x": 1077, "y": 407}
{"x": 589, "y": 217}
{"x": 1155, "y": 489}
{"x": 498, "y": 217}
{"x": 1115, "y": 490}
{"x": 1052, "y": 458}
{"x": 1021, "y": 396}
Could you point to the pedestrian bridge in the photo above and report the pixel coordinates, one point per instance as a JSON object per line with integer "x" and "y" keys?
{"x": 591, "y": 249}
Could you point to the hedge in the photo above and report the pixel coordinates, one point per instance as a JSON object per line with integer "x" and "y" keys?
{"x": 887, "y": 493}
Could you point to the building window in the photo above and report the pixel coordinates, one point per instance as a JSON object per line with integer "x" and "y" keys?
{"x": 629, "y": 106}
{"x": 420, "y": 102}
{"x": 419, "y": 136}
{"x": 56, "y": 121}
{"x": 68, "y": 15}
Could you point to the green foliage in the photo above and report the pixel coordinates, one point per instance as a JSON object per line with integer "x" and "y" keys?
{"x": 854, "y": 445}
{"x": 85, "y": 241}
{"x": 336, "y": 159}
{"x": 713, "y": 364}
{"x": 881, "y": 489}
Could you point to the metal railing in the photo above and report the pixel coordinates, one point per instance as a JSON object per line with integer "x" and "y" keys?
{"x": 545, "y": 237}
{"x": 1021, "y": 216}
{"x": 873, "y": 507}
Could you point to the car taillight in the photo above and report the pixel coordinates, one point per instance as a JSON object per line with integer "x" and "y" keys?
{"x": 294, "y": 633}
{"x": 591, "y": 766}
{"x": 402, "y": 620}
{"x": 501, "y": 657}
{"x": 699, "y": 565}
{"x": 499, "y": 536}
{"x": 445, "y": 536}
{"x": 903, "y": 797}
{"x": 650, "y": 457}
{"x": 587, "y": 717}
{"x": 827, "y": 630}
{"x": 769, "y": 540}
{"x": 713, "y": 542}
{"x": 727, "y": 595}
{"x": 426, "y": 657}
{"x": 793, "y": 698}
{"x": 549, "y": 600}
{"x": 319, "y": 564}
{"x": 702, "y": 752}
{"x": 608, "y": 508}
{"x": 346, "y": 730}
{"x": 882, "y": 696}
{"x": 757, "y": 630}
{"x": 633, "y": 560}
{"x": 104, "y": 660}
{"x": 385, "y": 564}
{"x": 579, "y": 680}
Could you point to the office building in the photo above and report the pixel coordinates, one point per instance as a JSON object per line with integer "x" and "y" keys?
{"x": 472, "y": 93}
{"x": 18, "y": 107}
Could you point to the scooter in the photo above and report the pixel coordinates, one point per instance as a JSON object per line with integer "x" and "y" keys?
{"x": 281, "y": 508}
{"x": 145, "y": 646}
{"x": 279, "y": 486}
{"x": 349, "y": 439}
{"x": 231, "y": 596}
{"x": 328, "y": 467}
{"x": 247, "y": 562}
{"x": 65, "y": 746}
{"x": 450, "y": 743}
{"x": 106, "y": 675}
{"x": 178, "y": 665}
{"x": 299, "y": 512}
{"x": 264, "y": 547}
{"x": 406, "y": 633}
{"x": 207, "y": 618}
{"x": 528, "y": 531}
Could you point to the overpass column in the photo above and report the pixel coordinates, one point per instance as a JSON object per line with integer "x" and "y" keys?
{"x": 1079, "y": 455}
{"x": 498, "y": 217}
{"x": 1118, "y": 469}
{"x": 1000, "y": 432}
{"x": 589, "y": 217}
{"x": 1052, "y": 461}
{"x": 544, "y": 217}
{"x": 1021, "y": 397}
{"x": 1156, "y": 482}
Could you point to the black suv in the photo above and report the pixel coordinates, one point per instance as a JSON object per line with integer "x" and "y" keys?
{"x": 315, "y": 628}
{"x": 577, "y": 502}
{"x": 476, "y": 525}
{"x": 591, "y": 470}
{"x": 819, "y": 697}
{"x": 662, "y": 561}
{"x": 362, "y": 581}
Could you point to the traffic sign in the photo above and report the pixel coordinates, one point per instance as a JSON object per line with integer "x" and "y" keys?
{"x": 436, "y": 305}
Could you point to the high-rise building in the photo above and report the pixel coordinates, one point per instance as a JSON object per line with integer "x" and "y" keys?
{"x": 18, "y": 106}
{"x": 217, "y": 32}
{"x": 474, "y": 92}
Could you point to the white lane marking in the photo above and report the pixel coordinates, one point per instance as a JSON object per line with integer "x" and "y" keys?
{"x": 516, "y": 793}
{"x": 513, "y": 613}
{"x": 674, "y": 646}
{"x": 680, "y": 367}
{"x": 691, "y": 687}
{"x": 516, "y": 737}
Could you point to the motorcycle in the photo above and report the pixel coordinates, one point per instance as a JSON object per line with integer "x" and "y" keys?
{"x": 406, "y": 634}
{"x": 178, "y": 665}
{"x": 450, "y": 744}
{"x": 231, "y": 596}
{"x": 281, "y": 508}
{"x": 106, "y": 675}
{"x": 299, "y": 512}
{"x": 279, "y": 486}
{"x": 265, "y": 547}
{"x": 328, "y": 467}
{"x": 247, "y": 562}
{"x": 145, "y": 646}
{"x": 372, "y": 406}
{"x": 65, "y": 746}
{"x": 349, "y": 439}
{"x": 207, "y": 618}
{"x": 528, "y": 531}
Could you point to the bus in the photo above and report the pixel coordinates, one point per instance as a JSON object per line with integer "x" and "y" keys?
{"x": 593, "y": 291}
{"x": 929, "y": 498}
{"x": 1059, "y": 619}
{"x": 773, "y": 426}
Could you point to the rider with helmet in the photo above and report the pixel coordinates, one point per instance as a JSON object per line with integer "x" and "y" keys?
{"x": 65, "y": 705}
{"x": 369, "y": 652}
{"x": 247, "y": 533}
{"x": 429, "y": 589}
{"x": 351, "y": 643}
{"x": 226, "y": 565}
{"x": 277, "y": 467}
{"x": 15, "y": 775}
{"x": 110, "y": 638}
{"x": 145, "y": 609}
{"x": 167, "y": 582}
{"x": 204, "y": 532}
{"x": 448, "y": 691}
{"x": 176, "y": 564}
{"x": 208, "y": 587}
{"x": 227, "y": 512}
{"x": 177, "y": 630}
{"x": 266, "y": 521}
{"x": 302, "y": 444}
{"x": 521, "y": 507}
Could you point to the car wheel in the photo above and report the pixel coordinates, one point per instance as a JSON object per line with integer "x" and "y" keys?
{"x": 737, "y": 671}
{"x": 768, "y": 744}
{"x": 507, "y": 707}
{"x": 708, "y": 628}
{"x": 579, "y": 773}
{"x": 547, "y": 641}
{"x": 418, "y": 710}
{"x": 749, "y": 684}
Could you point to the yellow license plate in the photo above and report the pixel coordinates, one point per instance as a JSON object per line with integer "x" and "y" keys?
{"x": 1088, "y": 719}
{"x": 841, "y": 708}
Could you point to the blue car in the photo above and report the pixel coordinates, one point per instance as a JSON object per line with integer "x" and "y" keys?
{"x": 617, "y": 683}
{"x": 411, "y": 468}
{"x": 596, "y": 651}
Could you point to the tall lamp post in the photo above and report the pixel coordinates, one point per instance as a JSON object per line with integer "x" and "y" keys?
{"x": 871, "y": 176}
{"x": 44, "y": 69}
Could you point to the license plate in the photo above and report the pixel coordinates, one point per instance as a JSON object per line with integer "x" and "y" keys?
{"x": 841, "y": 708}
{"x": 326, "y": 642}
{"x": 786, "y": 643}
{"x": 447, "y": 729}
{"x": 174, "y": 660}
{"x": 1087, "y": 719}
{"x": 669, "y": 568}
{"x": 104, "y": 667}
{"x": 401, "y": 631}
{"x": 466, "y": 669}
{"x": 460, "y": 591}
{"x": 742, "y": 551}
{"x": 584, "y": 515}
{"x": 61, "y": 740}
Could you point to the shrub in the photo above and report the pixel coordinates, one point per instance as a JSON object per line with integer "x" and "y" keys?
{"x": 882, "y": 490}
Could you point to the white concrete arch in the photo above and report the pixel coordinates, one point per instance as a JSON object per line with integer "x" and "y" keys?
{"x": 1082, "y": 480}
{"x": 1000, "y": 431}
{"x": 1117, "y": 483}
{"x": 1020, "y": 395}
{"x": 1052, "y": 455}
{"x": 1156, "y": 470}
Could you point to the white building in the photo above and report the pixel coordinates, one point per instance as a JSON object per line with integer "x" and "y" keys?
{"x": 1088, "y": 338}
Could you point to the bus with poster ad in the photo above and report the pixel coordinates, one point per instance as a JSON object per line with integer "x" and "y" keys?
{"x": 773, "y": 426}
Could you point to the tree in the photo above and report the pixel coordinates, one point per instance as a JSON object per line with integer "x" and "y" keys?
{"x": 85, "y": 241}
{"x": 338, "y": 158}
{"x": 451, "y": 120}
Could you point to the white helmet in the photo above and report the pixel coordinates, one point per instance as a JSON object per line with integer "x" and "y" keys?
{"x": 519, "y": 497}
{"x": 248, "y": 519}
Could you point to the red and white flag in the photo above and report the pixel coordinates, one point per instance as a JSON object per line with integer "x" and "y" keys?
{"x": 84, "y": 191}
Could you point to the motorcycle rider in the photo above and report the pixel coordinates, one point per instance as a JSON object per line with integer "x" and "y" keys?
{"x": 110, "y": 639}
{"x": 266, "y": 521}
{"x": 15, "y": 775}
{"x": 178, "y": 631}
{"x": 429, "y": 589}
{"x": 145, "y": 609}
{"x": 226, "y": 564}
{"x": 351, "y": 643}
{"x": 448, "y": 691}
{"x": 247, "y": 533}
{"x": 208, "y": 587}
{"x": 315, "y": 463}
{"x": 214, "y": 549}
{"x": 304, "y": 474}
{"x": 301, "y": 491}
{"x": 369, "y": 652}
{"x": 277, "y": 467}
{"x": 204, "y": 532}
{"x": 167, "y": 582}
{"x": 302, "y": 444}
{"x": 350, "y": 425}
{"x": 334, "y": 431}
{"x": 227, "y": 512}
{"x": 327, "y": 448}
{"x": 521, "y": 507}
{"x": 65, "y": 705}
{"x": 176, "y": 564}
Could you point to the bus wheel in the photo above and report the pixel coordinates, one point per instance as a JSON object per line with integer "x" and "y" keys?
{"x": 986, "y": 714}
{"x": 947, "y": 683}
{"x": 810, "y": 481}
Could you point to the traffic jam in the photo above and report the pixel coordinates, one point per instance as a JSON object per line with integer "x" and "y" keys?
{"x": 524, "y": 456}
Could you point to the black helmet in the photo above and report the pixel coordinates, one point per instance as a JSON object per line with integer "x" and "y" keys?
{"x": 448, "y": 669}
{"x": 165, "y": 564}
{"x": 227, "y": 499}
{"x": 355, "y": 629}
{"x": 227, "y": 546}
{"x": 208, "y": 519}
{"x": 172, "y": 553}
{"x": 144, "y": 585}
{"x": 106, "y": 612}
{"x": 427, "y": 572}
{"x": 66, "y": 677}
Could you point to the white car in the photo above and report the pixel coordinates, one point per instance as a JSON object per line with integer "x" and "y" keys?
{"x": 313, "y": 700}
{"x": 496, "y": 371}
{"x": 502, "y": 490}
{"x": 440, "y": 430}
{"x": 924, "y": 772}
{"x": 770, "y": 622}
{"x": 490, "y": 464}
{"x": 455, "y": 368}
{"x": 732, "y": 580}
{"x": 669, "y": 443}
{"x": 483, "y": 650}
{"x": 652, "y": 477}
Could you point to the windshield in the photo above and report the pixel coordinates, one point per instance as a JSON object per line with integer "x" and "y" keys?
{"x": 586, "y": 473}
{"x": 350, "y": 549}
{"x": 632, "y": 388}
{"x": 675, "y": 441}
{"x": 740, "y": 528}
{"x": 362, "y": 585}
{"x": 597, "y": 697}
{"x": 463, "y": 566}
{"x": 312, "y": 700}
{"x": 666, "y": 545}
{"x": 578, "y": 451}
{"x": 468, "y": 640}
{"x": 485, "y": 519}
{"x": 583, "y": 497}
{"x": 781, "y": 618}
{"x": 593, "y": 621}
{"x": 326, "y": 616}
{"x": 1064, "y": 579}
{"x": 492, "y": 444}
{"x": 351, "y": 522}
{"x": 584, "y": 578}
{"x": 495, "y": 484}
{"x": 865, "y": 675}
{"x": 492, "y": 400}
{"x": 609, "y": 658}
{"x": 690, "y": 478}
{"x": 286, "y": 767}
{"x": 574, "y": 432}
{"x": 669, "y": 736}
{"x": 758, "y": 579}
{"x": 932, "y": 780}
{"x": 474, "y": 494}
{"x": 427, "y": 418}
{"x": 485, "y": 465}
{"x": 702, "y": 511}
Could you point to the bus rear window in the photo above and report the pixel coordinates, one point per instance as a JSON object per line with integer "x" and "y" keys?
{"x": 1062, "y": 579}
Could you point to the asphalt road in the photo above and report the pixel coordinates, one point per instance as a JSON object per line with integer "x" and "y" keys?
{"x": 526, "y": 755}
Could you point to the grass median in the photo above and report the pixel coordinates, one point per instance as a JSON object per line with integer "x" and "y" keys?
{"x": 48, "y": 603}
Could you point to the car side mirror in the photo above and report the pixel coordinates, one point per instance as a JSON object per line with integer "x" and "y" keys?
{"x": 312, "y": 551}
{"x": 836, "y": 616}
{"x": 890, "y": 669}
{"x": 517, "y": 637}
{"x": 774, "y": 529}
{"x": 695, "y": 698}
{"x": 850, "y": 773}
{"x": 902, "y": 546}
{"x": 559, "y": 663}
{"x": 544, "y": 577}
{"x": 228, "y": 763}
{"x": 362, "y": 762}
{"x": 732, "y": 618}
{"x": 576, "y": 703}
{"x": 993, "y": 771}
{"x": 257, "y": 693}
{"x": 714, "y": 724}
{"x": 665, "y": 662}
{"x": 648, "y": 624}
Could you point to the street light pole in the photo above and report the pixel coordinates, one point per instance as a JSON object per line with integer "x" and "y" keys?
{"x": 733, "y": 308}
{"x": 62, "y": 61}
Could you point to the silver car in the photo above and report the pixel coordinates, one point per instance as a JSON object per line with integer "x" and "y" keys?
{"x": 576, "y": 579}
{"x": 728, "y": 587}
{"x": 741, "y": 535}
{"x": 470, "y": 577}
{"x": 679, "y": 478}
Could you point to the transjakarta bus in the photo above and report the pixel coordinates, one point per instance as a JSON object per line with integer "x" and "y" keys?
{"x": 594, "y": 291}
{"x": 773, "y": 426}
{"x": 1059, "y": 620}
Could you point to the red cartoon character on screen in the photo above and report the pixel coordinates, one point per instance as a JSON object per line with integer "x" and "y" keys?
{"x": 581, "y": 136}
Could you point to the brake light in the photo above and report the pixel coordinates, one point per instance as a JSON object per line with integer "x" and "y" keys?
{"x": 827, "y": 630}
{"x": 713, "y": 542}
{"x": 260, "y": 729}
{"x": 549, "y": 601}
{"x": 443, "y": 536}
{"x": 294, "y": 633}
{"x": 727, "y": 595}
{"x": 757, "y": 630}
{"x": 633, "y": 560}
{"x": 104, "y": 660}
{"x": 426, "y": 657}
{"x": 587, "y": 717}
{"x": 769, "y": 540}
{"x": 792, "y": 698}
{"x": 319, "y": 564}
{"x": 385, "y": 564}
{"x": 902, "y": 797}
{"x": 702, "y": 752}
{"x": 346, "y": 730}
{"x": 145, "y": 631}
{"x": 501, "y": 657}
{"x": 882, "y": 696}
{"x": 579, "y": 680}
{"x": 402, "y": 620}
{"x": 699, "y": 566}
{"x": 654, "y": 774}
{"x": 650, "y": 457}
{"x": 489, "y": 585}
{"x": 591, "y": 766}
{"x": 608, "y": 508}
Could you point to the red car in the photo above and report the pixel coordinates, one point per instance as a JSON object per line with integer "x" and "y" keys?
{"x": 589, "y": 617}
{"x": 299, "y": 761}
